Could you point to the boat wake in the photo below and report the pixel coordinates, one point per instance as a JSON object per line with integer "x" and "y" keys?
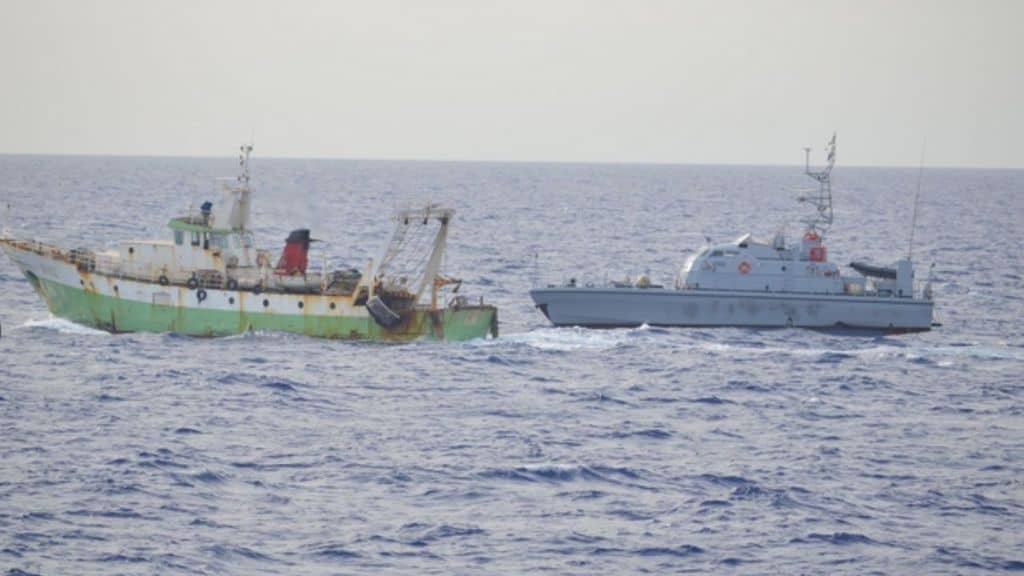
{"x": 942, "y": 355}
{"x": 63, "y": 326}
{"x": 574, "y": 338}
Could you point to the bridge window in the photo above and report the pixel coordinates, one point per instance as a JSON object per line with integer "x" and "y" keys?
{"x": 195, "y": 238}
{"x": 179, "y": 237}
{"x": 219, "y": 241}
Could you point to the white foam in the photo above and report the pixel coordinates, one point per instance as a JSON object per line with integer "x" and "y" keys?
{"x": 986, "y": 352}
{"x": 568, "y": 339}
{"x": 63, "y": 326}
{"x": 873, "y": 352}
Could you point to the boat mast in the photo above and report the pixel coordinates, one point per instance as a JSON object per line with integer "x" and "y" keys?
{"x": 243, "y": 164}
{"x": 823, "y": 203}
{"x": 917, "y": 199}
{"x": 238, "y": 206}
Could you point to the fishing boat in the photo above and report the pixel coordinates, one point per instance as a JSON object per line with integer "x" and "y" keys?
{"x": 208, "y": 278}
{"x": 749, "y": 282}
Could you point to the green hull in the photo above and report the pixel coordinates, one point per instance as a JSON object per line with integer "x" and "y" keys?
{"x": 120, "y": 315}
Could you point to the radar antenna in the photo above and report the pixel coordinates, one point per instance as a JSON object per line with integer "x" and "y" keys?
{"x": 233, "y": 208}
{"x": 823, "y": 202}
{"x": 243, "y": 164}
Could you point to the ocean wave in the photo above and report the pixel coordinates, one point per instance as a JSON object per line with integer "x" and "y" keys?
{"x": 836, "y": 538}
{"x": 562, "y": 473}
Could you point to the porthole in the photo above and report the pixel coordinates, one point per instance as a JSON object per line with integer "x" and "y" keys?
{"x": 333, "y": 305}
{"x": 266, "y": 303}
{"x": 131, "y": 250}
{"x": 301, "y": 305}
{"x": 231, "y": 300}
{"x": 82, "y": 282}
{"x": 116, "y": 288}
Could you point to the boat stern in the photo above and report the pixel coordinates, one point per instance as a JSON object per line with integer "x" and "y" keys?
{"x": 470, "y": 322}
{"x": 452, "y": 324}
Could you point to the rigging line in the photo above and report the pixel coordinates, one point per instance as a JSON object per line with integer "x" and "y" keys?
{"x": 417, "y": 261}
{"x": 398, "y": 240}
{"x": 406, "y": 259}
{"x": 407, "y": 240}
{"x": 917, "y": 199}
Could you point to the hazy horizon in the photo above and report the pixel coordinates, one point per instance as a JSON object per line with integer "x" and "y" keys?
{"x": 256, "y": 158}
{"x": 649, "y": 82}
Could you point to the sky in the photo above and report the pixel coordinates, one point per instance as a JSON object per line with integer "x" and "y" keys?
{"x": 720, "y": 82}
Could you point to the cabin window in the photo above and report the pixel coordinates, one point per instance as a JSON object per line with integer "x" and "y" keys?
{"x": 179, "y": 237}
{"x": 219, "y": 241}
{"x": 716, "y": 253}
{"x": 195, "y": 238}
{"x": 248, "y": 239}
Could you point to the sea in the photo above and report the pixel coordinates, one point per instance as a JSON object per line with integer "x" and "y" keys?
{"x": 543, "y": 451}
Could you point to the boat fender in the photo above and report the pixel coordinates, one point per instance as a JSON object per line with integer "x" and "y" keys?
{"x": 201, "y": 295}
{"x": 744, "y": 267}
{"x": 163, "y": 280}
{"x": 232, "y": 284}
{"x": 192, "y": 283}
{"x": 381, "y": 313}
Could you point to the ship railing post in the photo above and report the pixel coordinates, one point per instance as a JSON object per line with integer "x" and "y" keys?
{"x": 370, "y": 279}
{"x": 323, "y": 271}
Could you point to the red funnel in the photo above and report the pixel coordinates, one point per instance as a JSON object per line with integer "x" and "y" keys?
{"x": 295, "y": 256}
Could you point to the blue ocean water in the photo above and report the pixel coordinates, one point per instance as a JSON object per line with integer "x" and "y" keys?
{"x": 554, "y": 450}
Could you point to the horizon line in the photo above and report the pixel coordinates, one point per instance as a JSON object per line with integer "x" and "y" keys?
{"x": 481, "y": 161}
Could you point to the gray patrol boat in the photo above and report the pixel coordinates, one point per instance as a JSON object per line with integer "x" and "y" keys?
{"x": 757, "y": 284}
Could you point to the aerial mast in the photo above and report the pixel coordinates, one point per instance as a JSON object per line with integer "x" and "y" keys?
{"x": 917, "y": 200}
{"x": 243, "y": 164}
{"x": 823, "y": 203}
